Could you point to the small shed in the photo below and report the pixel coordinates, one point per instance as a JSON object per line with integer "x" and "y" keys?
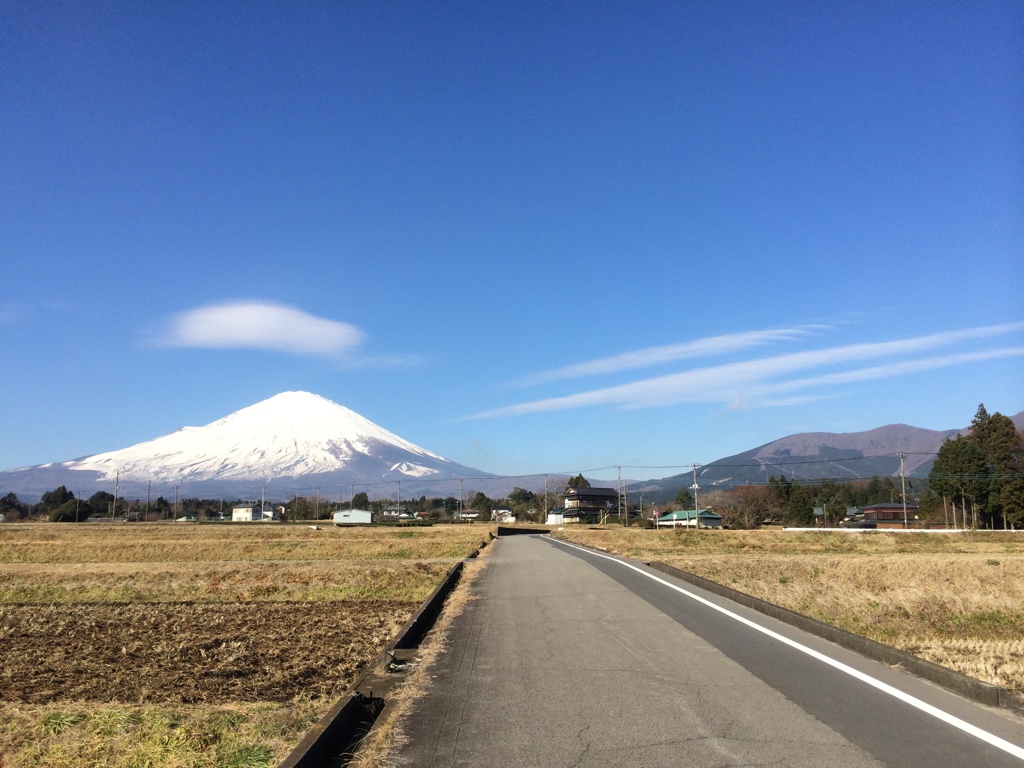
{"x": 353, "y": 517}
{"x": 690, "y": 518}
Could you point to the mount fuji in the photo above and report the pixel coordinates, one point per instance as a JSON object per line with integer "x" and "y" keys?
{"x": 294, "y": 442}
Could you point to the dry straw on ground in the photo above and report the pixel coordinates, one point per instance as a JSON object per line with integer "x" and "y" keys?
{"x": 387, "y": 733}
{"x": 212, "y": 645}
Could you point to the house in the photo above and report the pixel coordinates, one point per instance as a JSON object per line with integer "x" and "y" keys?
{"x": 353, "y": 517}
{"x": 588, "y": 505}
{"x": 394, "y": 512}
{"x": 689, "y": 518}
{"x": 891, "y": 515}
{"x": 503, "y": 515}
{"x": 251, "y": 513}
{"x": 244, "y": 513}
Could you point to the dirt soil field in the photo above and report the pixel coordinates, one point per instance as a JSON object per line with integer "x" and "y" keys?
{"x": 189, "y": 653}
{"x": 196, "y": 645}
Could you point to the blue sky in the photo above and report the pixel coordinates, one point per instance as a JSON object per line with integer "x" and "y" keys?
{"x": 541, "y": 237}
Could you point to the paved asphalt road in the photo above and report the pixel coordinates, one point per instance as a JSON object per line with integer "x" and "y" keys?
{"x": 572, "y": 658}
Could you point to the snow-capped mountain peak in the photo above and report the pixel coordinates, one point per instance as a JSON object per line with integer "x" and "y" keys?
{"x": 291, "y": 434}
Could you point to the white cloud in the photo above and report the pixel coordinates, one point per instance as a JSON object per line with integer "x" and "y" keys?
{"x": 902, "y": 368}
{"x": 747, "y": 383}
{"x": 645, "y": 358}
{"x": 261, "y": 325}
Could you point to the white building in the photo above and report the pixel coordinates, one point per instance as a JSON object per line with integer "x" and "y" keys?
{"x": 251, "y": 513}
{"x": 689, "y": 518}
{"x": 502, "y": 515}
{"x": 353, "y": 517}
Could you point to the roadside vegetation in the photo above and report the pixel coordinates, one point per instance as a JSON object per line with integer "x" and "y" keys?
{"x": 956, "y": 599}
{"x": 213, "y": 645}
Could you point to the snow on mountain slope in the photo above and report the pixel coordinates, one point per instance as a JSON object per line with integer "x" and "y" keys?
{"x": 290, "y": 434}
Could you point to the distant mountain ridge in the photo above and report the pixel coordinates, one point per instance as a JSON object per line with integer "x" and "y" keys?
{"x": 298, "y": 442}
{"x": 293, "y": 434}
{"x": 292, "y": 442}
{"x": 814, "y": 456}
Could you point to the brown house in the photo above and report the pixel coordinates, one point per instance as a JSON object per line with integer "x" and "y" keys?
{"x": 588, "y": 505}
{"x": 891, "y": 515}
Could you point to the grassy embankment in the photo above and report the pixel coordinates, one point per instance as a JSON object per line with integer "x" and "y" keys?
{"x": 954, "y": 599}
{"x": 184, "y": 645}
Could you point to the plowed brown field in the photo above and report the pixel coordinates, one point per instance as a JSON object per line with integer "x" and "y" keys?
{"x": 128, "y": 645}
{"x": 189, "y": 652}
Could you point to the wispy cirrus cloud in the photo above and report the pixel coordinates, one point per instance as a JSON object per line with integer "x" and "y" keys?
{"x": 261, "y": 325}
{"x": 651, "y": 356}
{"x": 759, "y": 382}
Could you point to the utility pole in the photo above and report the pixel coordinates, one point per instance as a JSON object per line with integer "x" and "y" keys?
{"x": 618, "y": 495}
{"x": 696, "y": 507}
{"x": 461, "y": 491}
{"x": 113, "y": 507}
{"x": 903, "y": 483}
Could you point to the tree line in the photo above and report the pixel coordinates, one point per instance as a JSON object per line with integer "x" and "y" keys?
{"x": 977, "y": 481}
{"x": 62, "y": 506}
{"x": 979, "y": 477}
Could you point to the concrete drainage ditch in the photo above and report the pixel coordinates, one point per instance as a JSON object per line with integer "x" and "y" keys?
{"x": 335, "y": 738}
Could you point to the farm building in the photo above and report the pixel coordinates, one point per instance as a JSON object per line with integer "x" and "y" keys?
{"x": 690, "y": 518}
{"x": 353, "y": 517}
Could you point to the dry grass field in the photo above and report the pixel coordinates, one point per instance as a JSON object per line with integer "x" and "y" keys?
{"x": 954, "y": 599}
{"x": 195, "y": 645}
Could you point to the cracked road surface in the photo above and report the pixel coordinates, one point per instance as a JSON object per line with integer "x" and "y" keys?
{"x": 570, "y": 659}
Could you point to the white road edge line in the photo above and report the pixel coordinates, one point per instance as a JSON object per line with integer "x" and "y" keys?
{"x": 913, "y": 701}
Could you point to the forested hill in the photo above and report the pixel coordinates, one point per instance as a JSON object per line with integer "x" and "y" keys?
{"x": 812, "y": 456}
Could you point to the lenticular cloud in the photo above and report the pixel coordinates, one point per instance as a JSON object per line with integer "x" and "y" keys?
{"x": 259, "y": 325}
